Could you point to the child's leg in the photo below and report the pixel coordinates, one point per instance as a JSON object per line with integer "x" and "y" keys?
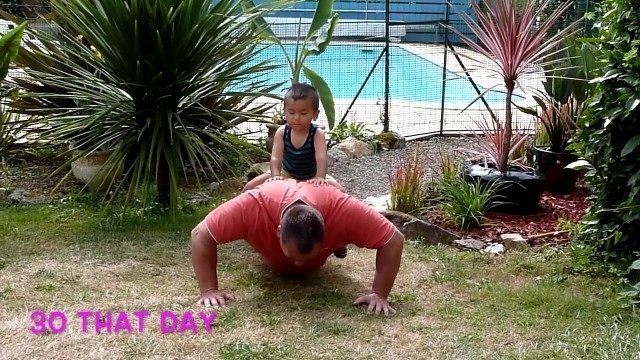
{"x": 258, "y": 180}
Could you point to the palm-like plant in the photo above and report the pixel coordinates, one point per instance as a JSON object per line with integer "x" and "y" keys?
{"x": 510, "y": 37}
{"x": 161, "y": 83}
{"x": 314, "y": 44}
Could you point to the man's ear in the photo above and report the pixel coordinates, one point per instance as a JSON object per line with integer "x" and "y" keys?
{"x": 279, "y": 230}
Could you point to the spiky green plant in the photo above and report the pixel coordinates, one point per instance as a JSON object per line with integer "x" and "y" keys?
{"x": 466, "y": 201}
{"x": 158, "y": 81}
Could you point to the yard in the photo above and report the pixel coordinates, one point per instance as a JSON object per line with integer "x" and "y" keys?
{"x": 125, "y": 87}
{"x": 71, "y": 257}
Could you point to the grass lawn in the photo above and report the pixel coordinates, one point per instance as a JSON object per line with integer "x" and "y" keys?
{"x": 450, "y": 304}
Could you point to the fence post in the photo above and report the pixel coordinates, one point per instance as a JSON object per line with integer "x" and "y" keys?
{"x": 385, "y": 125}
{"x": 444, "y": 68}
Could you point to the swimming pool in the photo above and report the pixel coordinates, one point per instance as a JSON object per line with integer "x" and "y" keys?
{"x": 345, "y": 67}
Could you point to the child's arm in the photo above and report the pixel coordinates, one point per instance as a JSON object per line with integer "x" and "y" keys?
{"x": 277, "y": 152}
{"x": 320, "y": 144}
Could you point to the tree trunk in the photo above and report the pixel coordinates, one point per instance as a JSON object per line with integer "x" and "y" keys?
{"x": 506, "y": 141}
{"x": 163, "y": 183}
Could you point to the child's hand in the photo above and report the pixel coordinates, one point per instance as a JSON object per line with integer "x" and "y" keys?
{"x": 318, "y": 180}
{"x": 274, "y": 178}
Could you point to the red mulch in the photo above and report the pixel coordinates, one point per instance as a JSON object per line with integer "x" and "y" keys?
{"x": 552, "y": 207}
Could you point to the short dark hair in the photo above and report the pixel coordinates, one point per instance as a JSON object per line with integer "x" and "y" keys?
{"x": 303, "y": 225}
{"x": 303, "y": 91}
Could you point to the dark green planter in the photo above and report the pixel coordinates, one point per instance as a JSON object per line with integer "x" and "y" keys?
{"x": 521, "y": 192}
{"x": 552, "y": 165}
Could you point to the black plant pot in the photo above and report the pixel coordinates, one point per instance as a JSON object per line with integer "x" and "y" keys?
{"x": 519, "y": 190}
{"x": 552, "y": 165}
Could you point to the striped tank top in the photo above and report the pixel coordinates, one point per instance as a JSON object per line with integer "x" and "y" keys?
{"x": 300, "y": 162}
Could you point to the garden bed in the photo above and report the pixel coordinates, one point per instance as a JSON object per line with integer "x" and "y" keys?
{"x": 541, "y": 228}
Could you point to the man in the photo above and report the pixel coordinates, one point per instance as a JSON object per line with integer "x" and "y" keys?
{"x": 295, "y": 226}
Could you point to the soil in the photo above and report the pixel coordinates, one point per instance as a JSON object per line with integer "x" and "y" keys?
{"x": 35, "y": 176}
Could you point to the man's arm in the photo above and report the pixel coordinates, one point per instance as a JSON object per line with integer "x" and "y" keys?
{"x": 224, "y": 224}
{"x": 204, "y": 258}
{"x": 366, "y": 228}
{"x": 387, "y": 265}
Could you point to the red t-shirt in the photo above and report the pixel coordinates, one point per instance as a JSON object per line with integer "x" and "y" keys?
{"x": 255, "y": 215}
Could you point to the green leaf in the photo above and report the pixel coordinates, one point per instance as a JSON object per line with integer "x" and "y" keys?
{"x": 527, "y": 110}
{"x": 631, "y": 145}
{"x": 324, "y": 39}
{"x": 629, "y": 292}
{"x": 579, "y": 165}
{"x": 320, "y": 17}
{"x": 630, "y": 55}
{"x": 258, "y": 23}
{"x": 632, "y": 103}
{"x": 635, "y": 265}
{"x": 171, "y": 78}
{"x": 610, "y": 75}
{"x": 9, "y": 45}
{"x": 326, "y": 97}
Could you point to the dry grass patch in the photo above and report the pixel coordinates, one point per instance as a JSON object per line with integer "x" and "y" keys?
{"x": 450, "y": 304}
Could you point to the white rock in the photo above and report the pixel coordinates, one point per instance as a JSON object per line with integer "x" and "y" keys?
{"x": 514, "y": 241}
{"x": 379, "y": 203}
{"x": 494, "y": 248}
{"x": 354, "y": 148}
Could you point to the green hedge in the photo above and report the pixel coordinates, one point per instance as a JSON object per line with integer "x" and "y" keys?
{"x": 609, "y": 137}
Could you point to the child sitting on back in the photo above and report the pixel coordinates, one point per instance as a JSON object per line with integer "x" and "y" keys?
{"x": 299, "y": 147}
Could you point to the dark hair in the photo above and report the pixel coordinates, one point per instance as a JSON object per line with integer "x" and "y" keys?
{"x": 303, "y": 91}
{"x": 303, "y": 225}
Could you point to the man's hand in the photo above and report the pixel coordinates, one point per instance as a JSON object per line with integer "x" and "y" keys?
{"x": 215, "y": 298}
{"x": 318, "y": 180}
{"x": 277, "y": 177}
{"x": 376, "y": 303}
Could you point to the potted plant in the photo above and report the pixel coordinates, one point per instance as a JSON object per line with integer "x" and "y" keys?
{"x": 509, "y": 36}
{"x": 516, "y": 191}
{"x": 93, "y": 166}
{"x": 566, "y": 91}
{"x": 558, "y": 125}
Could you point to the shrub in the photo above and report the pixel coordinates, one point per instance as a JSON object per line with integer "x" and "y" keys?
{"x": 343, "y": 130}
{"x": 407, "y": 185}
{"x": 159, "y": 81}
{"x": 466, "y": 201}
{"x": 608, "y": 136}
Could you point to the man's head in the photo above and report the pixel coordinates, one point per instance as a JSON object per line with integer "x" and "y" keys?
{"x": 301, "y": 106}
{"x": 301, "y": 233}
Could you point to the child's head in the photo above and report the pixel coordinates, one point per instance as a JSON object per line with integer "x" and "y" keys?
{"x": 301, "y": 106}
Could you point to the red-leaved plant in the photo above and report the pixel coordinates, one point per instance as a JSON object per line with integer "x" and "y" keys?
{"x": 407, "y": 184}
{"x": 492, "y": 144}
{"x": 510, "y": 36}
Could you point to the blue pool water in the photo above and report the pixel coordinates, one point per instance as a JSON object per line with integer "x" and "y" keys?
{"x": 345, "y": 68}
